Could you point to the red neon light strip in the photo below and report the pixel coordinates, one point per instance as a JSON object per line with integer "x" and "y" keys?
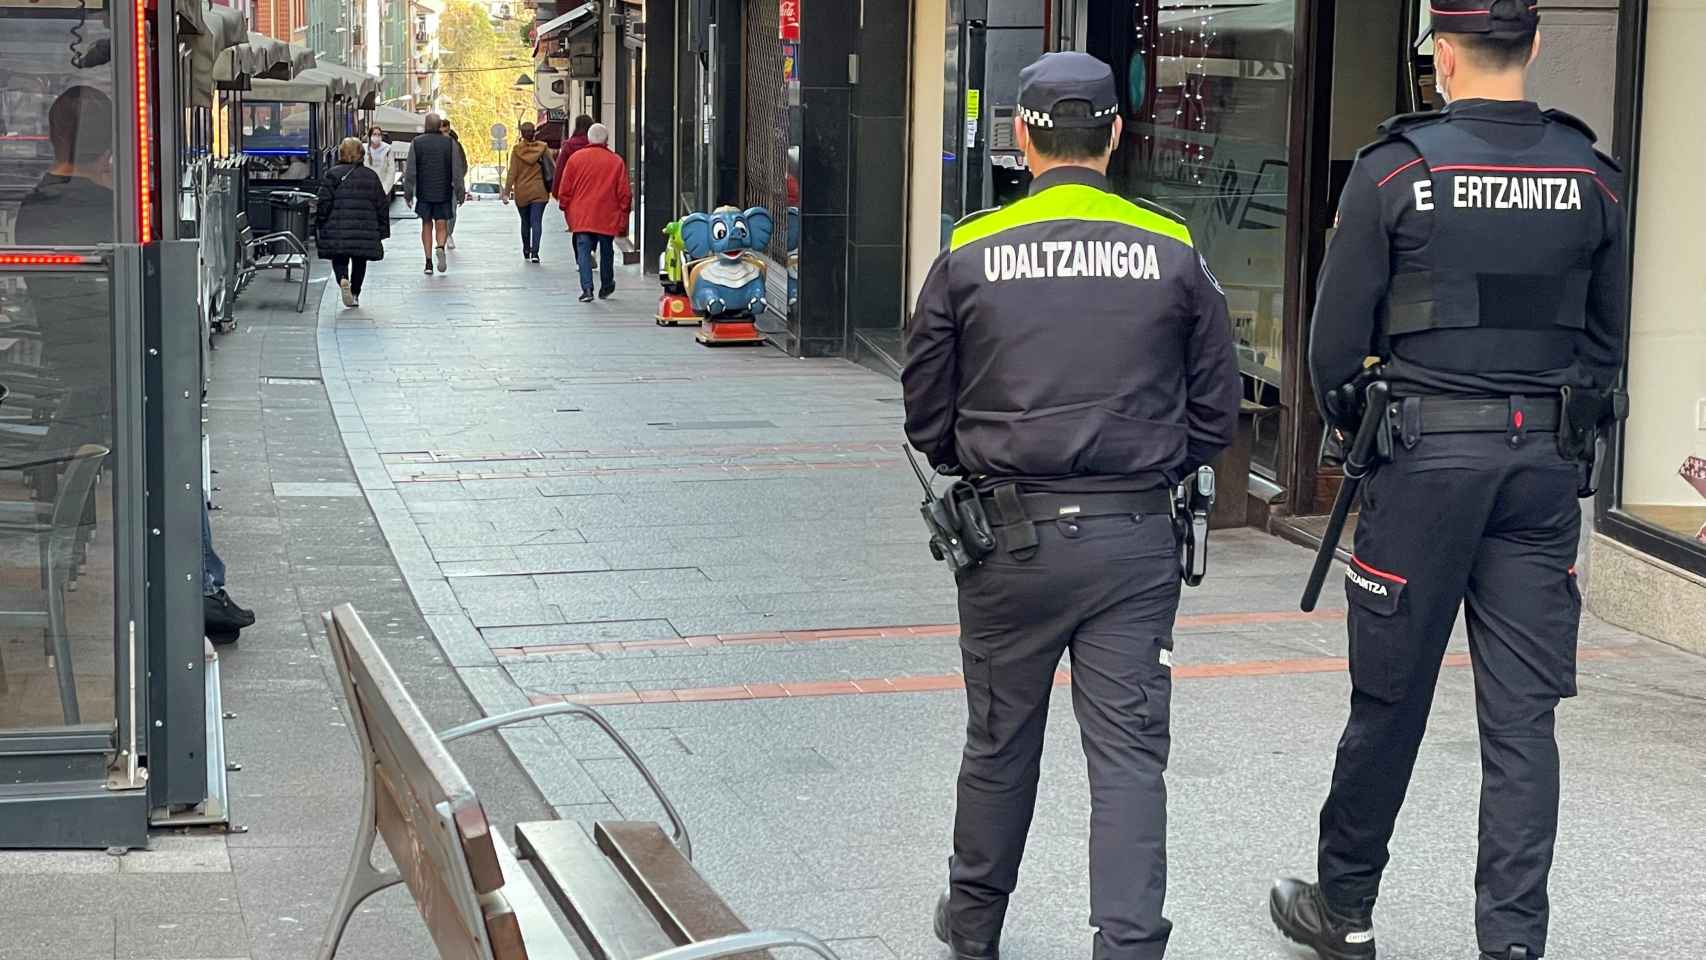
{"x": 45, "y": 260}
{"x": 1376, "y": 571}
{"x": 144, "y": 159}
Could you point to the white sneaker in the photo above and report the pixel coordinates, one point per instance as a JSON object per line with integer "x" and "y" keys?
{"x": 349, "y": 298}
{"x": 443, "y": 261}
{"x": 452, "y": 243}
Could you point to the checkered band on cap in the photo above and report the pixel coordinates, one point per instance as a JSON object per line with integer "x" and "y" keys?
{"x": 1067, "y": 76}
{"x": 1038, "y": 118}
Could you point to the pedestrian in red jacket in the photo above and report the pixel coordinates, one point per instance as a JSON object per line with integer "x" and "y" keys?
{"x": 598, "y": 197}
{"x": 583, "y": 123}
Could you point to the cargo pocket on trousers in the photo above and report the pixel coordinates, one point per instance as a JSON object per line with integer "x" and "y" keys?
{"x": 978, "y": 696}
{"x": 1379, "y": 622}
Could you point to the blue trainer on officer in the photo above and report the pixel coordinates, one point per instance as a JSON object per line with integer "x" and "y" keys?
{"x": 1071, "y": 359}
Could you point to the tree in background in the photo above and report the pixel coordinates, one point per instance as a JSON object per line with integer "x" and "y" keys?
{"x": 479, "y": 65}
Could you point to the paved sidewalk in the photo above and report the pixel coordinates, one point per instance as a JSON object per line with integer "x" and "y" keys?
{"x": 297, "y": 538}
{"x": 721, "y": 547}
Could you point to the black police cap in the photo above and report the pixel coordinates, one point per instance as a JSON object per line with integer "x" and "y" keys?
{"x": 1499, "y": 19}
{"x": 1065, "y": 76}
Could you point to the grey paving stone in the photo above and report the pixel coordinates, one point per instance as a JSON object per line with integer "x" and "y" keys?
{"x": 179, "y": 854}
{"x": 48, "y": 936}
{"x": 552, "y": 767}
{"x": 461, "y": 641}
{"x": 181, "y": 937}
{"x": 327, "y": 489}
{"x": 35, "y": 863}
{"x": 580, "y": 632}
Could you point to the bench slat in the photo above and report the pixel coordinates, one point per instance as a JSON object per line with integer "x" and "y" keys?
{"x": 607, "y": 915}
{"x": 535, "y": 924}
{"x": 689, "y": 910}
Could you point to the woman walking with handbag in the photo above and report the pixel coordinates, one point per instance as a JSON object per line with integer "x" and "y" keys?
{"x": 354, "y": 219}
{"x": 531, "y": 170}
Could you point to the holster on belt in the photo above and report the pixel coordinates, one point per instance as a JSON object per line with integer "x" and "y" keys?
{"x": 1017, "y": 534}
{"x": 1585, "y": 417}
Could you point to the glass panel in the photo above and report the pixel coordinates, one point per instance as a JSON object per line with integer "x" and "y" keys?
{"x": 278, "y": 139}
{"x": 57, "y": 129}
{"x": 1664, "y": 448}
{"x": 1208, "y": 114}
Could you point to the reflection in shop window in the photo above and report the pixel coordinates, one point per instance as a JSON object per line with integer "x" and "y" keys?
{"x": 276, "y": 138}
{"x": 1664, "y": 445}
{"x": 58, "y": 127}
{"x": 1208, "y": 92}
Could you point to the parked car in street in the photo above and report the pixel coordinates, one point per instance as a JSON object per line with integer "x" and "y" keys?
{"x": 482, "y": 191}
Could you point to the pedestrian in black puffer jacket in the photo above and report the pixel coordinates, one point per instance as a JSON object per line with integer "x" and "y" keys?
{"x": 354, "y": 219}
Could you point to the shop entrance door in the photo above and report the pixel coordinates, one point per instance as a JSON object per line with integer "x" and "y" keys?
{"x": 1368, "y": 62}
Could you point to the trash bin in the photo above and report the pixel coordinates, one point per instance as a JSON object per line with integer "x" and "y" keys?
{"x": 292, "y": 210}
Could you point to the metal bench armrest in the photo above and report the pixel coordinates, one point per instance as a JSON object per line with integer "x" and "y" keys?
{"x": 285, "y": 237}
{"x": 678, "y": 825}
{"x": 740, "y": 943}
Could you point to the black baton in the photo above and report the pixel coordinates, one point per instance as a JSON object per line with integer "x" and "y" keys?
{"x": 1357, "y": 466}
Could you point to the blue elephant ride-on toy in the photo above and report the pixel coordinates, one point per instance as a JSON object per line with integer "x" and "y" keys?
{"x": 725, "y": 276}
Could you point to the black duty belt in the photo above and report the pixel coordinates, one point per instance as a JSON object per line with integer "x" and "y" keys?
{"x": 1420, "y": 416}
{"x": 1042, "y": 507}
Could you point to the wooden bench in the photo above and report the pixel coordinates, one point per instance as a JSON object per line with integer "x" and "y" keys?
{"x": 629, "y": 891}
{"x": 274, "y": 251}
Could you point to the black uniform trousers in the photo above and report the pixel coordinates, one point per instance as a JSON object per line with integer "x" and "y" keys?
{"x": 1460, "y": 519}
{"x": 1106, "y": 588}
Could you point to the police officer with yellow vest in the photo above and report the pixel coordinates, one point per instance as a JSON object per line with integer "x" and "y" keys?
{"x": 1071, "y": 356}
{"x": 1479, "y": 256}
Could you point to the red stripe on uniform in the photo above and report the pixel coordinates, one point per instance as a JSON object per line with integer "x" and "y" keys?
{"x": 1388, "y": 178}
{"x": 1376, "y": 571}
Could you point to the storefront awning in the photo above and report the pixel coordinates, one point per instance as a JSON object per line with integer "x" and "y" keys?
{"x": 224, "y": 29}
{"x": 191, "y": 19}
{"x": 301, "y": 58}
{"x": 258, "y": 56}
{"x": 311, "y": 87}
{"x": 355, "y": 85}
{"x": 393, "y": 120}
{"x": 567, "y": 20}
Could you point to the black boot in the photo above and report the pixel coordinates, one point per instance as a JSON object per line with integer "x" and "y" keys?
{"x": 962, "y": 949}
{"x": 1300, "y": 911}
{"x": 222, "y": 616}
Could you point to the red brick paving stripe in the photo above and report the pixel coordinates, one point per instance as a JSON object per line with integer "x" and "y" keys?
{"x": 846, "y": 634}
{"x": 952, "y": 681}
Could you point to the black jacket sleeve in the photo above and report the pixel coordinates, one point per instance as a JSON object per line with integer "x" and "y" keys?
{"x": 1608, "y": 293}
{"x": 930, "y": 382}
{"x": 1354, "y": 279}
{"x": 1213, "y": 386}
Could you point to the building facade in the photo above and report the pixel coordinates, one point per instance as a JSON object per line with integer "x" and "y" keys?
{"x": 870, "y": 128}
{"x": 1649, "y": 548}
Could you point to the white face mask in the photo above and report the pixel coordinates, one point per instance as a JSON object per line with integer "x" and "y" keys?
{"x": 377, "y": 140}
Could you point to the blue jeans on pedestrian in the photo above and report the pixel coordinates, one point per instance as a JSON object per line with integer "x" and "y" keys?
{"x": 212, "y": 568}
{"x": 532, "y": 224}
{"x": 584, "y": 243}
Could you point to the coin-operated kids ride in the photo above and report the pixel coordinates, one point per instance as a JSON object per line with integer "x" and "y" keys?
{"x": 674, "y": 308}
{"x": 725, "y": 277}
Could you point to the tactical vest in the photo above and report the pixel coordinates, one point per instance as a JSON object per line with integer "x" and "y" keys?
{"x": 1503, "y": 282}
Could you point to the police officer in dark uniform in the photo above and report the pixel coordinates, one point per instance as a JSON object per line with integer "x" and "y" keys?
{"x": 1073, "y": 357}
{"x": 1479, "y": 257}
